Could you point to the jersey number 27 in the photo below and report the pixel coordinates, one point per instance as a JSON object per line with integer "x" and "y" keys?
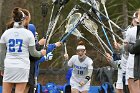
{"x": 14, "y": 43}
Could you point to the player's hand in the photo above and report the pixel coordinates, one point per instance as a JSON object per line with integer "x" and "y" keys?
{"x": 1, "y": 72}
{"x": 43, "y": 52}
{"x": 117, "y": 45}
{"x": 58, "y": 44}
{"x": 82, "y": 83}
{"x": 108, "y": 57}
{"x": 66, "y": 56}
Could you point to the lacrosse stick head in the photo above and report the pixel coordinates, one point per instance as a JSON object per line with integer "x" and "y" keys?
{"x": 73, "y": 20}
{"x": 90, "y": 26}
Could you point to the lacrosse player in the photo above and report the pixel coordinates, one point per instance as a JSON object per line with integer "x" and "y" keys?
{"x": 15, "y": 45}
{"x": 82, "y": 70}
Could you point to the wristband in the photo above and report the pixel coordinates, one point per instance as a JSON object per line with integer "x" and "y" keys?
{"x": 88, "y": 78}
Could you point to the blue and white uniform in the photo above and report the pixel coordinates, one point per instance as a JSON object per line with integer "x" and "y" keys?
{"x": 131, "y": 38}
{"x": 16, "y": 62}
{"x": 121, "y": 72}
{"x": 80, "y": 71}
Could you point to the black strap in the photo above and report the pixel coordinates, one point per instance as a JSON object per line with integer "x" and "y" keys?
{"x": 138, "y": 32}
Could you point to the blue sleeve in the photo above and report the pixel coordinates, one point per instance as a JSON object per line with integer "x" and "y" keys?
{"x": 68, "y": 75}
{"x": 51, "y": 47}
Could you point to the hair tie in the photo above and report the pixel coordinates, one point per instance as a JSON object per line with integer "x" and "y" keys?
{"x": 16, "y": 24}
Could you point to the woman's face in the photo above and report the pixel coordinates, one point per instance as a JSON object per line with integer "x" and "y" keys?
{"x": 134, "y": 21}
{"x": 139, "y": 15}
{"x": 81, "y": 52}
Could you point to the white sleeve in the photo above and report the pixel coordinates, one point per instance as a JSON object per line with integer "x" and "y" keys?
{"x": 90, "y": 68}
{"x": 90, "y": 65}
{"x": 2, "y": 40}
{"x": 2, "y": 55}
{"x": 128, "y": 37}
{"x": 70, "y": 62}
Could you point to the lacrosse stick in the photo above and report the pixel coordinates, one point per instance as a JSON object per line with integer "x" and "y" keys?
{"x": 92, "y": 28}
{"x": 71, "y": 12}
{"x": 49, "y": 27}
{"x": 91, "y": 2}
{"x": 66, "y": 53}
{"x": 72, "y": 21}
{"x": 110, "y": 20}
{"x": 44, "y": 11}
{"x": 47, "y": 34}
{"x": 54, "y": 24}
{"x": 103, "y": 3}
{"x": 75, "y": 19}
{"x": 78, "y": 34}
{"x": 92, "y": 18}
{"x": 71, "y": 29}
{"x": 96, "y": 5}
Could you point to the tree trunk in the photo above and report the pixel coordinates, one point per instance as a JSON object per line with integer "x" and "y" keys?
{"x": 1, "y": 1}
{"x": 125, "y": 13}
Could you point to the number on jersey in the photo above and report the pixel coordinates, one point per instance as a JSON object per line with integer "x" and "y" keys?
{"x": 13, "y": 43}
{"x": 80, "y": 72}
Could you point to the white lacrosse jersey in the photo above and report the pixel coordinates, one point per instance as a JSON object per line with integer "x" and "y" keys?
{"x": 17, "y": 42}
{"x": 131, "y": 38}
{"x": 80, "y": 69}
{"x": 123, "y": 64}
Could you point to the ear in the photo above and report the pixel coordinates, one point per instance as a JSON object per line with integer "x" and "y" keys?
{"x": 85, "y": 51}
{"x": 27, "y": 17}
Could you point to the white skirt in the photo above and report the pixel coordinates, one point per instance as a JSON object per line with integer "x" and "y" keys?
{"x": 74, "y": 84}
{"x": 16, "y": 75}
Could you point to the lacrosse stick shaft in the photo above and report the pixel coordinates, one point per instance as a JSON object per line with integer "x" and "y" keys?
{"x": 96, "y": 37}
{"x": 104, "y": 44}
{"x": 96, "y": 6}
{"x": 99, "y": 18}
{"x": 65, "y": 48}
{"x": 109, "y": 20}
{"x": 94, "y": 32}
{"x": 35, "y": 88}
{"x": 100, "y": 43}
{"x": 95, "y": 47}
{"x": 49, "y": 28}
{"x": 103, "y": 3}
{"x": 108, "y": 29}
{"x": 103, "y": 29}
{"x": 54, "y": 24}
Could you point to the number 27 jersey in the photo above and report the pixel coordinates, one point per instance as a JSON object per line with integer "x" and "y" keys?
{"x": 17, "y": 42}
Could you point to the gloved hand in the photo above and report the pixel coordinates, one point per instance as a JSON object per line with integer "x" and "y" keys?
{"x": 49, "y": 56}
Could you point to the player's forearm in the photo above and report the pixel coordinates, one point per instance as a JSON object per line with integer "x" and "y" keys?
{"x": 34, "y": 52}
{"x": 2, "y": 55}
